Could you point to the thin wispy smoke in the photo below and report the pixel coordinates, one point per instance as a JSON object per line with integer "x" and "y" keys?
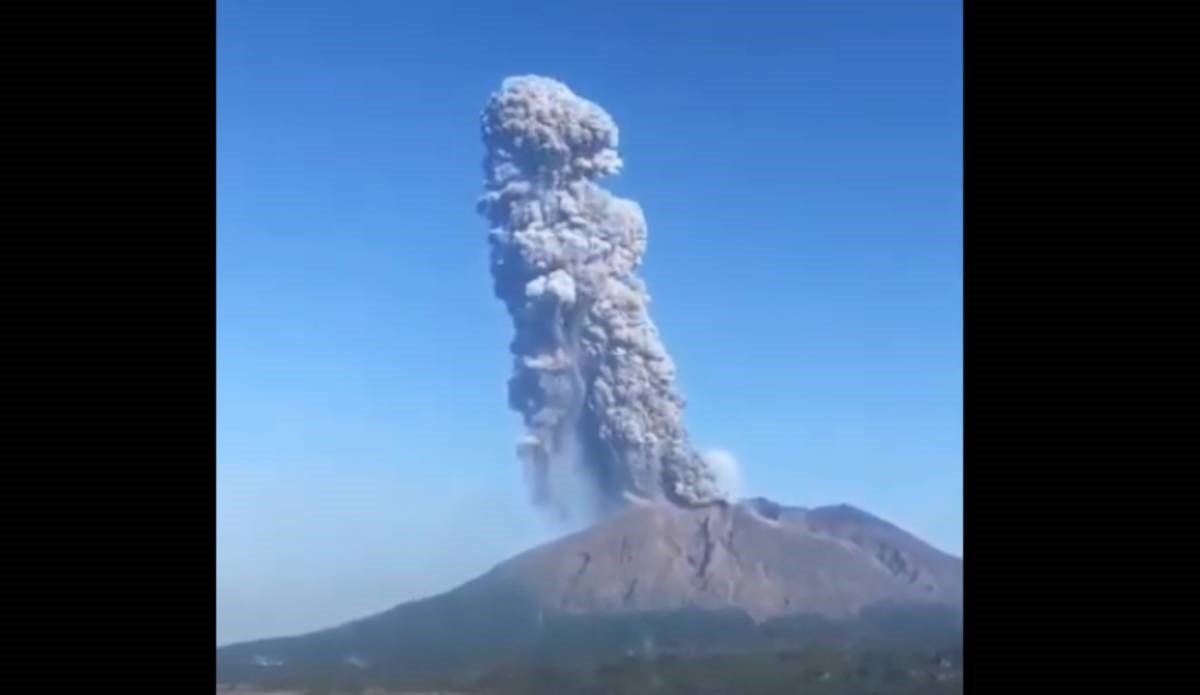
{"x": 726, "y": 472}
{"x": 591, "y": 376}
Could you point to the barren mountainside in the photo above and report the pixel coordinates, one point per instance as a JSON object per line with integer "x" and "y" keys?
{"x": 762, "y": 558}
{"x": 653, "y": 577}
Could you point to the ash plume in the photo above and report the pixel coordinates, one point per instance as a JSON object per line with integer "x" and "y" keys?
{"x": 591, "y": 378}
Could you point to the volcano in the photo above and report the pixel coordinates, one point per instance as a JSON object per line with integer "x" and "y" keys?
{"x": 652, "y": 578}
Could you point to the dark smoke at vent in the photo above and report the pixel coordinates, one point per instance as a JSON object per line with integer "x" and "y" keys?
{"x": 591, "y": 377}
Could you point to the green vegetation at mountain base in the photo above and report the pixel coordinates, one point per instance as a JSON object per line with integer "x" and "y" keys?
{"x": 819, "y": 670}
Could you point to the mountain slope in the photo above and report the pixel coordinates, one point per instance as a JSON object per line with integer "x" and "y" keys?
{"x": 651, "y": 577}
{"x": 830, "y": 561}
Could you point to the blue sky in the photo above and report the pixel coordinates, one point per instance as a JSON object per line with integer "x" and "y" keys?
{"x": 799, "y": 165}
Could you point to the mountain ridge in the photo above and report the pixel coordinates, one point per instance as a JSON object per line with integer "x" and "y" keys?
{"x": 711, "y": 578}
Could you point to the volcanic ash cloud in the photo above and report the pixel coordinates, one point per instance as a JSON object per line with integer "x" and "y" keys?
{"x": 591, "y": 378}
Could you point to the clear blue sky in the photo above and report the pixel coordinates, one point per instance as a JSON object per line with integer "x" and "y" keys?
{"x": 800, "y": 169}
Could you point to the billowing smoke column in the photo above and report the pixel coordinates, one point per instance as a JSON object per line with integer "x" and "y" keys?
{"x": 591, "y": 376}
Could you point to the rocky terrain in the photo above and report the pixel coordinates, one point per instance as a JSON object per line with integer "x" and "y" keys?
{"x": 652, "y": 579}
{"x": 758, "y": 557}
